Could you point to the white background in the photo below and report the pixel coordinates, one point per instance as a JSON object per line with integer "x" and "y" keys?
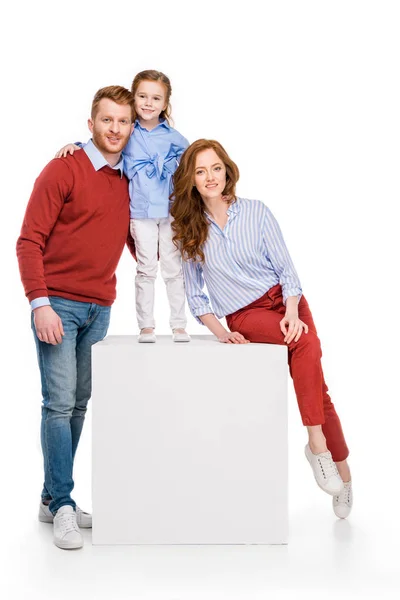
{"x": 305, "y": 97}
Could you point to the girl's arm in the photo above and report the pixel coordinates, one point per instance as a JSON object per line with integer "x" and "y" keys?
{"x": 68, "y": 148}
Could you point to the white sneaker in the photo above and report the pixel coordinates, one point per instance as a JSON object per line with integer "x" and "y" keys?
{"x": 147, "y": 338}
{"x": 180, "y": 337}
{"x": 83, "y": 519}
{"x": 66, "y": 533}
{"x": 343, "y": 503}
{"x": 325, "y": 471}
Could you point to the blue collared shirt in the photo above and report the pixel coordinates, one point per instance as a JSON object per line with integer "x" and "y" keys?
{"x": 242, "y": 262}
{"x": 151, "y": 158}
{"x": 98, "y": 161}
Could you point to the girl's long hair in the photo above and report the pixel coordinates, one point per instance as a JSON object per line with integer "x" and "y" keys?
{"x": 151, "y": 75}
{"x": 190, "y": 224}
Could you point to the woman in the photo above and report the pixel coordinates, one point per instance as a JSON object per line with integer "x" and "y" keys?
{"x": 235, "y": 247}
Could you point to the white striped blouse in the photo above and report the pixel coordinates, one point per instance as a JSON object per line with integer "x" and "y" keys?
{"x": 242, "y": 262}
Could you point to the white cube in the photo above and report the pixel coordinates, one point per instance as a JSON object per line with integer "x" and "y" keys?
{"x": 189, "y": 442}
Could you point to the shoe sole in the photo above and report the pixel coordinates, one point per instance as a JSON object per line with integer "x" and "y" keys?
{"x": 342, "y": 516}
{"x": 335, "y": 493}
{"x": 68, "y": 546}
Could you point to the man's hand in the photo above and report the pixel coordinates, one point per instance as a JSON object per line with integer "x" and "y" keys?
{"x": 48, "y": 325}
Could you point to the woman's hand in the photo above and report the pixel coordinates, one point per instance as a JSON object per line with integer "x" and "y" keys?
{"x": 232, "y": 337}
{"x": 65, "y": 149}
{"x": 217, "y": 329}
{"x": 292, "y": 327}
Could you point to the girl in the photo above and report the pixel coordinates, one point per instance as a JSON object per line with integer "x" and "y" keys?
{"x": 150, "y": 159}
{"x": 236, "y": 248}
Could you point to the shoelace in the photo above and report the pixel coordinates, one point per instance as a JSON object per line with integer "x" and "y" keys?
{"x": 328, "y": 467}
{"x": 68, "y": 523}
{"x": 345, "y": 495}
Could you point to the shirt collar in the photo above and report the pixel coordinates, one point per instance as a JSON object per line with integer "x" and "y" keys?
{"x": 98, "y": 161}
{"x": 233, "y": 209}
{"x": 163, "y": 122}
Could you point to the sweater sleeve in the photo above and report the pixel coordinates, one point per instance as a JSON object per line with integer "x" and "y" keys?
{"x": 50, "y": 191}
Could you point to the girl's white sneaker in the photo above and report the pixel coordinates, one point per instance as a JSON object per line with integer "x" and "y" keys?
{"x": 147, "y": 338}
{"x": 343, "y": 503}
{"x": 325, "y": 471}
{"x": 180, "y": 336}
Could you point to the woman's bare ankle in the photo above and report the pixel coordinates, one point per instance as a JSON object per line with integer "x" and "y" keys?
{"x": 344, "y": 470}
{"x": 316, "y": 439}
{"x": 318, "y": 447}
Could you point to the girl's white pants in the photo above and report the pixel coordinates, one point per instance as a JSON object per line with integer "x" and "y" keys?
{"x": 153, "y": 239}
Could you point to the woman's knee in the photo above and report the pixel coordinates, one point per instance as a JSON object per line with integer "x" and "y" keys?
{"x": 309, "y": 342}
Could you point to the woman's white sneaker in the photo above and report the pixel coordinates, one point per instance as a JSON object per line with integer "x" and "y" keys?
{"x": 343, "y": 503}
{"x": 66, "y": 533}
{"x": 325, "y": 471}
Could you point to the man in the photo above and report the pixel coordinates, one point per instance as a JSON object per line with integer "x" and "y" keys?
{"x": 74, "y": 231}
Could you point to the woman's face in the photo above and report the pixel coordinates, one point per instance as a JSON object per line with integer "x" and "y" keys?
{"x": 210, "y": 174}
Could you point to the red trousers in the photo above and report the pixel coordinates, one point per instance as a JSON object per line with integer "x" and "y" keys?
{"x": 259, "y": 322}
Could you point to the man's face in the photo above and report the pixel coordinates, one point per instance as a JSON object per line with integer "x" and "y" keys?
{"x": 112, "y": 126}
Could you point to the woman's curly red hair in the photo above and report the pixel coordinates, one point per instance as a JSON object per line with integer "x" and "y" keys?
{"x": 190, "y": 224}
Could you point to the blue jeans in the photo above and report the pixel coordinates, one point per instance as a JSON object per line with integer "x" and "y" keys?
{"x": 66, "y": 376}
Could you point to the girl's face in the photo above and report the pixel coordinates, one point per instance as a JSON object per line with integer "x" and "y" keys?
{"x": 210, "y": 174}
{"x": 150, "y": 101}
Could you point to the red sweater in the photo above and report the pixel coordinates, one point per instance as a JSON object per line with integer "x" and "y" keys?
{"x": 74, "y": 231}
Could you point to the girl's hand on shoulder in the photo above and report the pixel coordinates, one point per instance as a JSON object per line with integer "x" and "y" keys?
{"x": 233, "y": 337}
{"x": 292, "y": 328}
{"x": 65, "y": 149}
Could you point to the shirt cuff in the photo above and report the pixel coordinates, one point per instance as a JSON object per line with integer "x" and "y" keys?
{"x": 292, "y": 292}
{"x": 38, "y": 302}
{"x": 199, "y": 311}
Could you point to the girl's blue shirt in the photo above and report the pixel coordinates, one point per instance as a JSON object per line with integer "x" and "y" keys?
{"x": 150, "y": 160}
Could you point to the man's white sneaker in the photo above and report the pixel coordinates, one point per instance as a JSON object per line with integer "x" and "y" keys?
{"x": 66, "y": 534}
{"x": 83, "y": 519}
{"x": 342, "y": 504}
{"x": 147, "y": 338}
{"x": 325, "y": 471}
